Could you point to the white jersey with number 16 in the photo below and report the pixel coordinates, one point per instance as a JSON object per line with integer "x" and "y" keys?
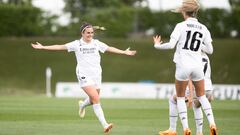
{"x": 191, "y": 36}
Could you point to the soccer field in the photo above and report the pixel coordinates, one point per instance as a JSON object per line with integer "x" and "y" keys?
{"x": 54, "y": 116}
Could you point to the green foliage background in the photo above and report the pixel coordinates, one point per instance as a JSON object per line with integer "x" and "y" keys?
{"x": 20, "y": 20}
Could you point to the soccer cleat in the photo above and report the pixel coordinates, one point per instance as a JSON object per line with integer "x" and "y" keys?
{"x": 108, "y": 128}
{"x": 167, "y": 132}
{"x": 81, "y": 111}
{"x": 213, "y": 130}
{"x": 187, "y": 131}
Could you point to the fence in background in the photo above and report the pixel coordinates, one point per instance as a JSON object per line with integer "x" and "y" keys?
{"x": 142, "y": 90}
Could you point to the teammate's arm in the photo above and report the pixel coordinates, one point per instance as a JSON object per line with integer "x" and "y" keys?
{"x": 207, "y": 48}
{"x": 50, "y": 47}
{"x": 118, "y": 51}
{"x": 207, "y": 43}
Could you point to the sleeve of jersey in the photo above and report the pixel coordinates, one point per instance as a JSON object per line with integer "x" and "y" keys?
{"x": 208, "y": 38}
{"x": 101, "y": 46}
{"x": 71, "y": 46}
{"x": 169, "y": 45}
{"x": 173, "y": 39}
{"x": 207, "y": 47}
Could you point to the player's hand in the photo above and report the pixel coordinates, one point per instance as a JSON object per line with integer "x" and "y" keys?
{"x": 37, "y": 46}
{"x": 157, "y": 39}
{"x": 130, "y": 52}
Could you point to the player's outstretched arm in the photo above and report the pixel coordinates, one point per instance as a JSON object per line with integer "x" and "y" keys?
{"x": 118, "y": 51}
{"x": 50, "y": 47}
{"x": 158, "y": 43}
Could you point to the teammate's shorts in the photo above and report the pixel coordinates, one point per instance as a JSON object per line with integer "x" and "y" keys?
{"x": 208, "y": 84}
{"x": 183, "y": 73}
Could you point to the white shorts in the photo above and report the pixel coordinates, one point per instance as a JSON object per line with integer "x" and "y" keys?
{"x": 89, "y": 80}
{"x": 183, "y": 73}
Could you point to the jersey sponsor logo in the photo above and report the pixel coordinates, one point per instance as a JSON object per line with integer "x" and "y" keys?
{"x": 87, "y": 50}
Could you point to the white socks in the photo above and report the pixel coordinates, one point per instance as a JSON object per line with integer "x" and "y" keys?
{"x": 100, "y": 115}
{"x": 198, "y": 118}
{"x": 206, "y": 106}
{"x": 182, "y": 111}
{"x": 173, "y": 114}
{"x": 85, "y": 103}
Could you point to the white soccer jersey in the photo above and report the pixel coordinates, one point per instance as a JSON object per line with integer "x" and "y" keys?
{"x": 88, "y": 57}
{"x": 207, "y": 72}
{"x": 190, "y": 36}
{"x": 207, "y": 75}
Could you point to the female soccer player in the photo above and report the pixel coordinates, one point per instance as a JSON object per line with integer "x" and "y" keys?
{"x": 190, "y": 37}
{"x": 198, "y": 116}
{"x": 88, "y": 70}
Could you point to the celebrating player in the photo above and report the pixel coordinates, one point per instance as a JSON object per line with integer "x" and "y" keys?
{"x": 88, "y": 69}
{"x": 173, "y": 114}
{"x": 190, "y": 37}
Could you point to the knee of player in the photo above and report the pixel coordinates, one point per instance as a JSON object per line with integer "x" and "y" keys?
{"x": 196, "y": 103}
{"x": 94, "y": 99}
{"x": 209, "y": 96}
{"x": 173, "y": 99}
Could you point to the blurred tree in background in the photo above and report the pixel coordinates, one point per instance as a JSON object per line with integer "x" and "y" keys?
{"x": 122, "y": 18}
{"x": 16, "y": 2}
{"x": 234, "y": 3}
{"x": 21, "y": 20}
{"x": 234, "y": 26}
{"x": 116, "y": 14}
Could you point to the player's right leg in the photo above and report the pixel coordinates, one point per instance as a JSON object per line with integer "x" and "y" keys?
{"x": 82, "y": 105}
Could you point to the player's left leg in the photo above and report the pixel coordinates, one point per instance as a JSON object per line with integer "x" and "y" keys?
{"x": 181, "y": 105}
{"x": 82, "y": 105}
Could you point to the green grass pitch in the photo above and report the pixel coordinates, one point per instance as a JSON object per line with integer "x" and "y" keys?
{"x": 54, "y": 116}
